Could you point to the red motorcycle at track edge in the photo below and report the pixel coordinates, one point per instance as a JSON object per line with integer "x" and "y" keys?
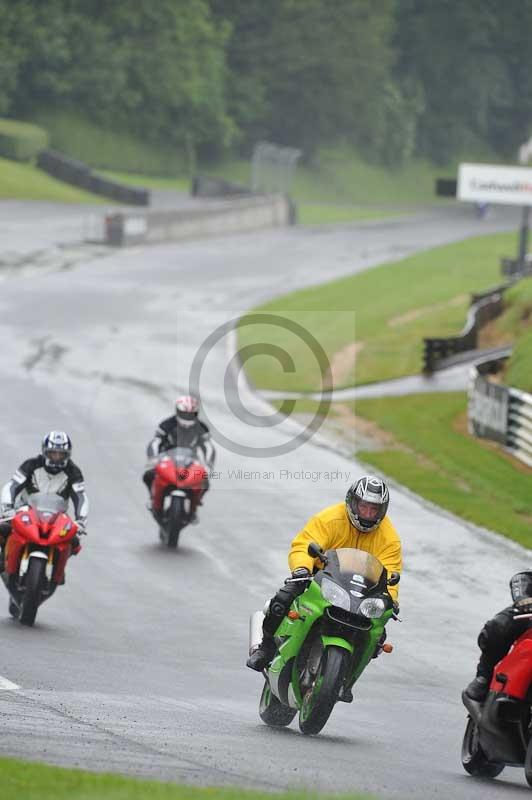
{"x": 499, "y": 730}
{"x": 36, "y": 553}
{"x": 176, "y": 490}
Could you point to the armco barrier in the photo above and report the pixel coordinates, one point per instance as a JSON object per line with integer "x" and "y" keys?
{"x": 519, "y": 436}
{"x": 484, "y": 307}
{"x": 206, "y": 186}
{"x": 125, "y": 228}
{"x": 500, "y": 413}
{"x": 79, "y": 174}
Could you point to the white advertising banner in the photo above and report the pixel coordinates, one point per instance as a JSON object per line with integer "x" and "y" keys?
{"x": 490, "y": 183}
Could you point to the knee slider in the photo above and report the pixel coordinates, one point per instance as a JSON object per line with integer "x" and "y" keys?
{"x": 280, "y": 604}
{"x": 278, "y": 609}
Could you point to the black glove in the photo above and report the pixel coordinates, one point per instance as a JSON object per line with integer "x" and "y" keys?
{"x": 300, "y": 575}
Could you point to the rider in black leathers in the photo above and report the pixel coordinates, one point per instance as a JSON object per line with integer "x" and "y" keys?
{"x": 500, "y": 632}
{"x": 182, "y": 429}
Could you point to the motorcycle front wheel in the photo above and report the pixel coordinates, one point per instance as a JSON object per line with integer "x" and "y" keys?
{"x": 272, "y": 711}
{"x": 32, "y": 592}
{"x": 474, "y": 760}
{"x": 174, "y": 522}
{"x": 319, "y": 699}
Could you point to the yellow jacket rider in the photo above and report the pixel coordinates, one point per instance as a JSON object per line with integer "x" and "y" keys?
{"x": 359, "y": 522}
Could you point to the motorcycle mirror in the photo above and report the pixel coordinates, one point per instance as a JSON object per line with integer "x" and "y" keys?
{"x": 315, "y": 551}
{"x": 394, "y": 579}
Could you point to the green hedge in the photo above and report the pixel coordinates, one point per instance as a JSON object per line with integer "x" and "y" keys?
{"x": 21, "y": 141}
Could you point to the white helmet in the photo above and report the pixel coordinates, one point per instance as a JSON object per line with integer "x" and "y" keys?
{"x": 186, "y": 409}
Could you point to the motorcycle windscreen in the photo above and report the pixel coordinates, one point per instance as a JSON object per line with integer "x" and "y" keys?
{"x": 354, "y": 563}
{"x": 182, "y": 456}
{"x": 47, "y": 506}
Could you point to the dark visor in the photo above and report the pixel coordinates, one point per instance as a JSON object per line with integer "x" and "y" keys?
{"x": 187, "y": 414}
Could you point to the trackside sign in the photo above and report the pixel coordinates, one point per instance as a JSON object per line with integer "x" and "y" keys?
{"x": 487, "y": 183}
{"x": 488, "y": 409}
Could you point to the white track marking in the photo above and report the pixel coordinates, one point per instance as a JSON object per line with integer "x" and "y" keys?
{"x": 7, "y": 686}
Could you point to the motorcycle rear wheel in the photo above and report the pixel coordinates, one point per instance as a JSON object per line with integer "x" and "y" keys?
{"x": 474, "y": 760}
{"x": 319, "y": 700}
{"x": 32, "y": 593}
{"x": 174, "y": 522}
{"x": 272, "y": 711}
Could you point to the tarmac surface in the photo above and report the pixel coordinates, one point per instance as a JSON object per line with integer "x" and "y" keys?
{"x": 136, "y": 665}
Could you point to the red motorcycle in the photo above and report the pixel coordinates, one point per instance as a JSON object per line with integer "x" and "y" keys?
{"x": 36, "y": 553}
{"x": 176, "y": 491}
{"x": 499, "y": 731}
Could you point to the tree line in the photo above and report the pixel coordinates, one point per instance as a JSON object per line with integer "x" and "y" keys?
{"x": 393, "y": 78}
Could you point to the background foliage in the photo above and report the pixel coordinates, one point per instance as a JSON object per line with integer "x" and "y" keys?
{"x": 393, "y": 78}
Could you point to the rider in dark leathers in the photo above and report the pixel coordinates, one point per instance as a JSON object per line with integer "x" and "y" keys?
{"x": 182, "y": 429}
{"x": 500, "y": 632}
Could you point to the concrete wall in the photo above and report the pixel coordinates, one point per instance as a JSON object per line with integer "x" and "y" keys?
{"x": 228, "y": 216}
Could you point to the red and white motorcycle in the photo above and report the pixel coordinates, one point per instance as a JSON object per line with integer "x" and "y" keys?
{"x": 36, "y": 553}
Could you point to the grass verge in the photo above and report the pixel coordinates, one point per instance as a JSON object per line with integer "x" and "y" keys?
{"x": 387, "y": 310}
{"x": 422, "y": 442}
{"x": 434, "y": 455}
{"x": 73, "y": 134}
{"x": 515, "y": 324}
{"x": 25, "y": 182}
{"x": 339, "y": 175}
{"x": 519, "y": 370}
{"x": 22, "y": 780}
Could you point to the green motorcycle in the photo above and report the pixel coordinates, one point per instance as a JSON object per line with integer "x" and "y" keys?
{"x": 327, "y": 639}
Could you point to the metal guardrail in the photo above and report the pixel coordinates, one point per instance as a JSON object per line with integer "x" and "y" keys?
{"x": 207, "y": 186}
{"x": 484, "y": 307}
{"x": 519, "y": 434}
{"x": 500, "y": 413}
{"x": 79, "y": 174}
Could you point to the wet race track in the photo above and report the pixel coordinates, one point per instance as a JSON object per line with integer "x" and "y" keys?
{"x": 137, "y": 664}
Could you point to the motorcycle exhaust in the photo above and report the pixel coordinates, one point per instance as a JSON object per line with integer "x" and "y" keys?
{"x": 255, "y": 630}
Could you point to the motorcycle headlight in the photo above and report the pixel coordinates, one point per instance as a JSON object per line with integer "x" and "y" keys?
{"x": 335, "y": 594}
{"x": 372, "y": 607}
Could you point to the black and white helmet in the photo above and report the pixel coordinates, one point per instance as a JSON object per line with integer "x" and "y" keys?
{"x": 366, "y": 503}
{"x": 56, "y": 450}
